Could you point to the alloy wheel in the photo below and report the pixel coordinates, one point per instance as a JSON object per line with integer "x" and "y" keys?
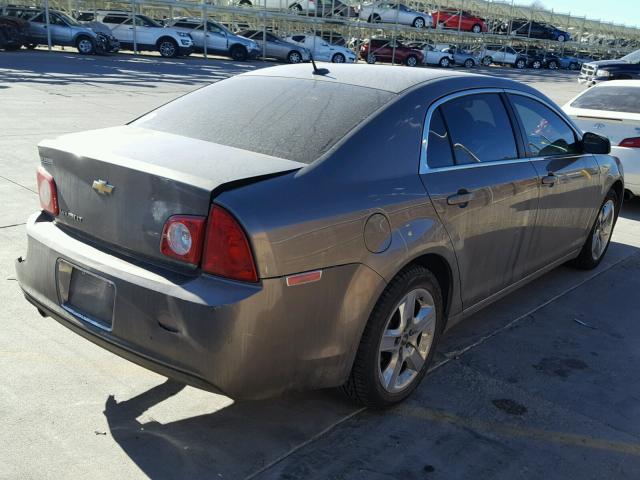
{"x": 468, "y": 63}
{"x": 85, "y": 46}
{"x": 476, "y": 29}
{"x": 406, "y": 340}
{"x": 167, "y": 49}
{"x": 603, "y": 229}
{"x": 295, "y": 57}
{"x": 338, "y": 58}
{"x": 412, "y": 61}
{"x": 419, "y": 23}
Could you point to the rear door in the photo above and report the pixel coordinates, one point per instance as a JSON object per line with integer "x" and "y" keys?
{"x": 38, "y": 28}
{"x": 484, "y": 191}
{"x": 569, "y": 180}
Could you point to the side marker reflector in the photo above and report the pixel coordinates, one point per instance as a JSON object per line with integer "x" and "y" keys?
{"x": 302, "y": 278}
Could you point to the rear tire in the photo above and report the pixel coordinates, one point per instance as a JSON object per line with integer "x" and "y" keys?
{"x": 386, "y": 369}
{"x": 239, "y": 53}
{"x": 294, "y": 57}
{"x": 375, "y": 18}
{"x": 521, "y": 63}
{"x": 476, "y": 28}
{"x": 561, "y": 38}
{"x": 371, "y": 59}
{"x": 411, "y": 61}
{"x": 552, "y": 65}
{"x": 597, "y": 243}
{"x": 419, "y": 23}
{"x": 536, "y": 65}
{"x": 487, "y": 61}
{"x": 444, "y": 62}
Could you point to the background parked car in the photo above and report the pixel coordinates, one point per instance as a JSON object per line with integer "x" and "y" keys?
{"x": 463, "y": 57}
{"x": 537, "y": 59}
{"x": 219, "y": 39}
{"x": 14, "y": 32}
{"x": 625, "y": 68}
{"x": 383, "y": 50}
{"x": 149, "y": 34}
{"x": 334, "y": 8}
{"x": 573, "y": 62}
{"x": 391, "y": 12}
{"x": 544, "y": 31}
{"x": 294, "y": 6}
{"x": 275, "y": 47}
{"x": 613, "y": 109}
{"x": 503, "y": 55}
{"x": 454, "y": 19}
{"x": 323, "y": 50}
{"x": 431, "y": 55}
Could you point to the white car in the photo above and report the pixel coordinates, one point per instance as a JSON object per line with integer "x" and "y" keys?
{"x": 294, "y": 6}
{"x": 391, "y": 12}
{"x": 149, "y": 35}
{"x": 503, "y": 55}
{"x": 612, "y": 109}
{"x": 432, "y": 56}
{"x": 322, "y": 50}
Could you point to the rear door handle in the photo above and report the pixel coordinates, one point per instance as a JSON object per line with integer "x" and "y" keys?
{"x": 550, "y": 179}
{"x": 462, "y": 198}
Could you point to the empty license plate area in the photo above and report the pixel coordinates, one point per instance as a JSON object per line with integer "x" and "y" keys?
{"x": 86, "y": 295}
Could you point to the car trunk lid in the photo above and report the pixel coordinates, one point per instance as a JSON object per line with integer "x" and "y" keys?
{"x": 120, "y": 185}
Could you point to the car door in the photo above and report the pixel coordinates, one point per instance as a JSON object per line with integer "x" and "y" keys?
{"x": 145, "y": 31}
{"x": 121, "y": 27}
{"x": 60, "y": 31}
{"x": 483, "y": 188}
{"x": 38, "y": 28}
{"x": 569, "y": 179}
{"x": 216, "y": 38}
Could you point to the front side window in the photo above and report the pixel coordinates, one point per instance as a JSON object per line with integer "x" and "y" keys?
{"x": 480, "y": 129}
{"x": 546, "y": 133}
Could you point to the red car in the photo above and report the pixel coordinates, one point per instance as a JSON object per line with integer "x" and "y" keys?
{"x": 454, "y": 18}
{"x": 382, "y": 50}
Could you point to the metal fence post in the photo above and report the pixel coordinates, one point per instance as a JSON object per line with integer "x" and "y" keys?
{"x": 133, "y": 26}
{"x": 47, "y": 23}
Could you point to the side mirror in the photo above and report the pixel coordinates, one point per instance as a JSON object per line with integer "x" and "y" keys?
{"x": 594, "y": 143}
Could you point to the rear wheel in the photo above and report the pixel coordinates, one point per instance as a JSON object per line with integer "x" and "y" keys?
{"x": 521, "y": 63}
{"x": 487, "y": 61}
{"x": 444, "y": 62}
{"x": 375, "y": 18}
{"x": 561, "y": 38}
{"x": 573, "y": 66}
{"x": 411, "y": 61}
{"x": 553, "y": 65}
{"x": 476, "y": 28}
{"x": 239, "y": 53}
{"x": 338, "y": 58}
{"x": 536, "y": 64}
{"x": 371, "y": 58}
{"x": 296, "y": 8}
{"x": 419, "y": 22}
{"x": 168, "y": 48}
{"x": 245, "y": 3}
{"x": 85, "y": 45}
{"x": 399, "y": 340}
{"x": 294, "y": 57}
{"x": 599, "y": 237}
{"x": 469, "y": 63}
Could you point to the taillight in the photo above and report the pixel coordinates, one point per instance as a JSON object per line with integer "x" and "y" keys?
{"x": 633, "y": 142}
{"x": 182, "y": 238}
{"x": 47, "y": 192}
{"x": 227, "y": 252}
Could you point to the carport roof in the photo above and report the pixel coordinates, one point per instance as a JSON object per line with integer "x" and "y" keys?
{"x": 381, "y": 77}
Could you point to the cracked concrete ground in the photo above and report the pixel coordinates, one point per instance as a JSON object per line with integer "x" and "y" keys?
{"x": 543, "y": 383}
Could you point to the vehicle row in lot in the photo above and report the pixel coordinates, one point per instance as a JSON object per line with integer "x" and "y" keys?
{"x": 298, "y": 257}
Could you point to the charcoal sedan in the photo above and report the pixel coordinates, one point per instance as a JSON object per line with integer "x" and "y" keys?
{"x": 285, "y": 229}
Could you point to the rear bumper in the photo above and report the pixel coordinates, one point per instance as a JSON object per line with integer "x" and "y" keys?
{"x": 245, "y": 340}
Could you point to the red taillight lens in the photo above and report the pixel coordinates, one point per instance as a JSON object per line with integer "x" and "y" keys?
{"x": 226, "y": 251}
{"x": 182, "y": 238}
{"x": 633, "y": 142}
{"x": 47, "y": 192}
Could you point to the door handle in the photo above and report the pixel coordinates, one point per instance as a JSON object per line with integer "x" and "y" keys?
{"x": 550, "y": 179}
{"x": 462, "y": 198}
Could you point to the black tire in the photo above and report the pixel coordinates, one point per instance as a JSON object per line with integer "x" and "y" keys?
{"x": 294, "y": 56}
{"x": 245, "y": 3}
{"x": 585, "y": 260}
{"x": 477, "y": 28}
{"x": 469, "y": 63}
{"x": 296, "y": 8}
{"x": 487, "y": 61}
{"x": 371, "y": 59}
{"x": 573, "y": 66}
{"x": 552, "y": 65}
{"x": 375, "y": 18}
{"x": 338, "y": 58}
{"x": 537, "y": 64}
{"x": 445, "y": 62}
{"x": 168, "y": 47}
{"x": 85, "y": 45}
{"x": 419, "y": 22}
{"x": 411, "y": 61}
{"x": 363, "y": 384}
{"x": 239, "y": 53}
{"x": 561, "y": 38}
{"x": 521, "y": 63}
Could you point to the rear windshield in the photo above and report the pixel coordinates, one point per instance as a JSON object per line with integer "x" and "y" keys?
{"x": 612, "y": 99}
{"x": 282, "y": 117}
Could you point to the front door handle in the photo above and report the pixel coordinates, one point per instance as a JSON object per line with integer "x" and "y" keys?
{"x": 550, "y": 179}
{"x": 462, "y": 198}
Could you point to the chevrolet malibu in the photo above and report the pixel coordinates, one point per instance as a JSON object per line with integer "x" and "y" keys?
{"x": 286, "y": 229}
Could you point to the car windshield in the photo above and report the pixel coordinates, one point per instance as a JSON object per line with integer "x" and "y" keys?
{"x": 633, "y": 57}
{"x": 289, "y": 118}
{"x": 69, "y": 20}
{"x": 611, "y": 99}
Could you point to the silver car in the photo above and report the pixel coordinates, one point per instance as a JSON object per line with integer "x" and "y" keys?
{"x": 392, "y": 12}
{"x": 219, "y": 39}
{"x": 292, "y": 228}
{"x": 275, "y": 47}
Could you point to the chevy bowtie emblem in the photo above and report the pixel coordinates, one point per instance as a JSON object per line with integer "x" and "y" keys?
{"x": 102, "y": 187}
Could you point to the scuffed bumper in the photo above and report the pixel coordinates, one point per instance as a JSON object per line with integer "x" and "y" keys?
{"x": 245, "y": 340}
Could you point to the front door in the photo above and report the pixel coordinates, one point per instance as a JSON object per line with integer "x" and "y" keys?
{"x": 569, "y": 180}
{"x": 485, "y": 193}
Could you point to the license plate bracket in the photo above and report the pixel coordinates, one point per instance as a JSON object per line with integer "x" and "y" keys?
{"x": 85, "y": 295}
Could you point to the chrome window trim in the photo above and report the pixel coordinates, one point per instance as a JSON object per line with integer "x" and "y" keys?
{"x": 424, "y": 166}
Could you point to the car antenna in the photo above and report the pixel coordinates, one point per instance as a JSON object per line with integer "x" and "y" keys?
{"x": 316, "y": 70}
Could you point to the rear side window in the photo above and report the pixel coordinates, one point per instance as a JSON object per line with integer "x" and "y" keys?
{"x": 611, "y": 99}
{"x": 288, "y": 118}
{"x": 547, "y": 134}
{"x": 114, "y": 19}
{"x": 438, "y": 145}
{"x": 480, "y": 129}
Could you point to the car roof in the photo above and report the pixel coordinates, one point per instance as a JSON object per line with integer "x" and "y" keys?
{"x": 381, "y": 77}
{"x": 619, "y": 83}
